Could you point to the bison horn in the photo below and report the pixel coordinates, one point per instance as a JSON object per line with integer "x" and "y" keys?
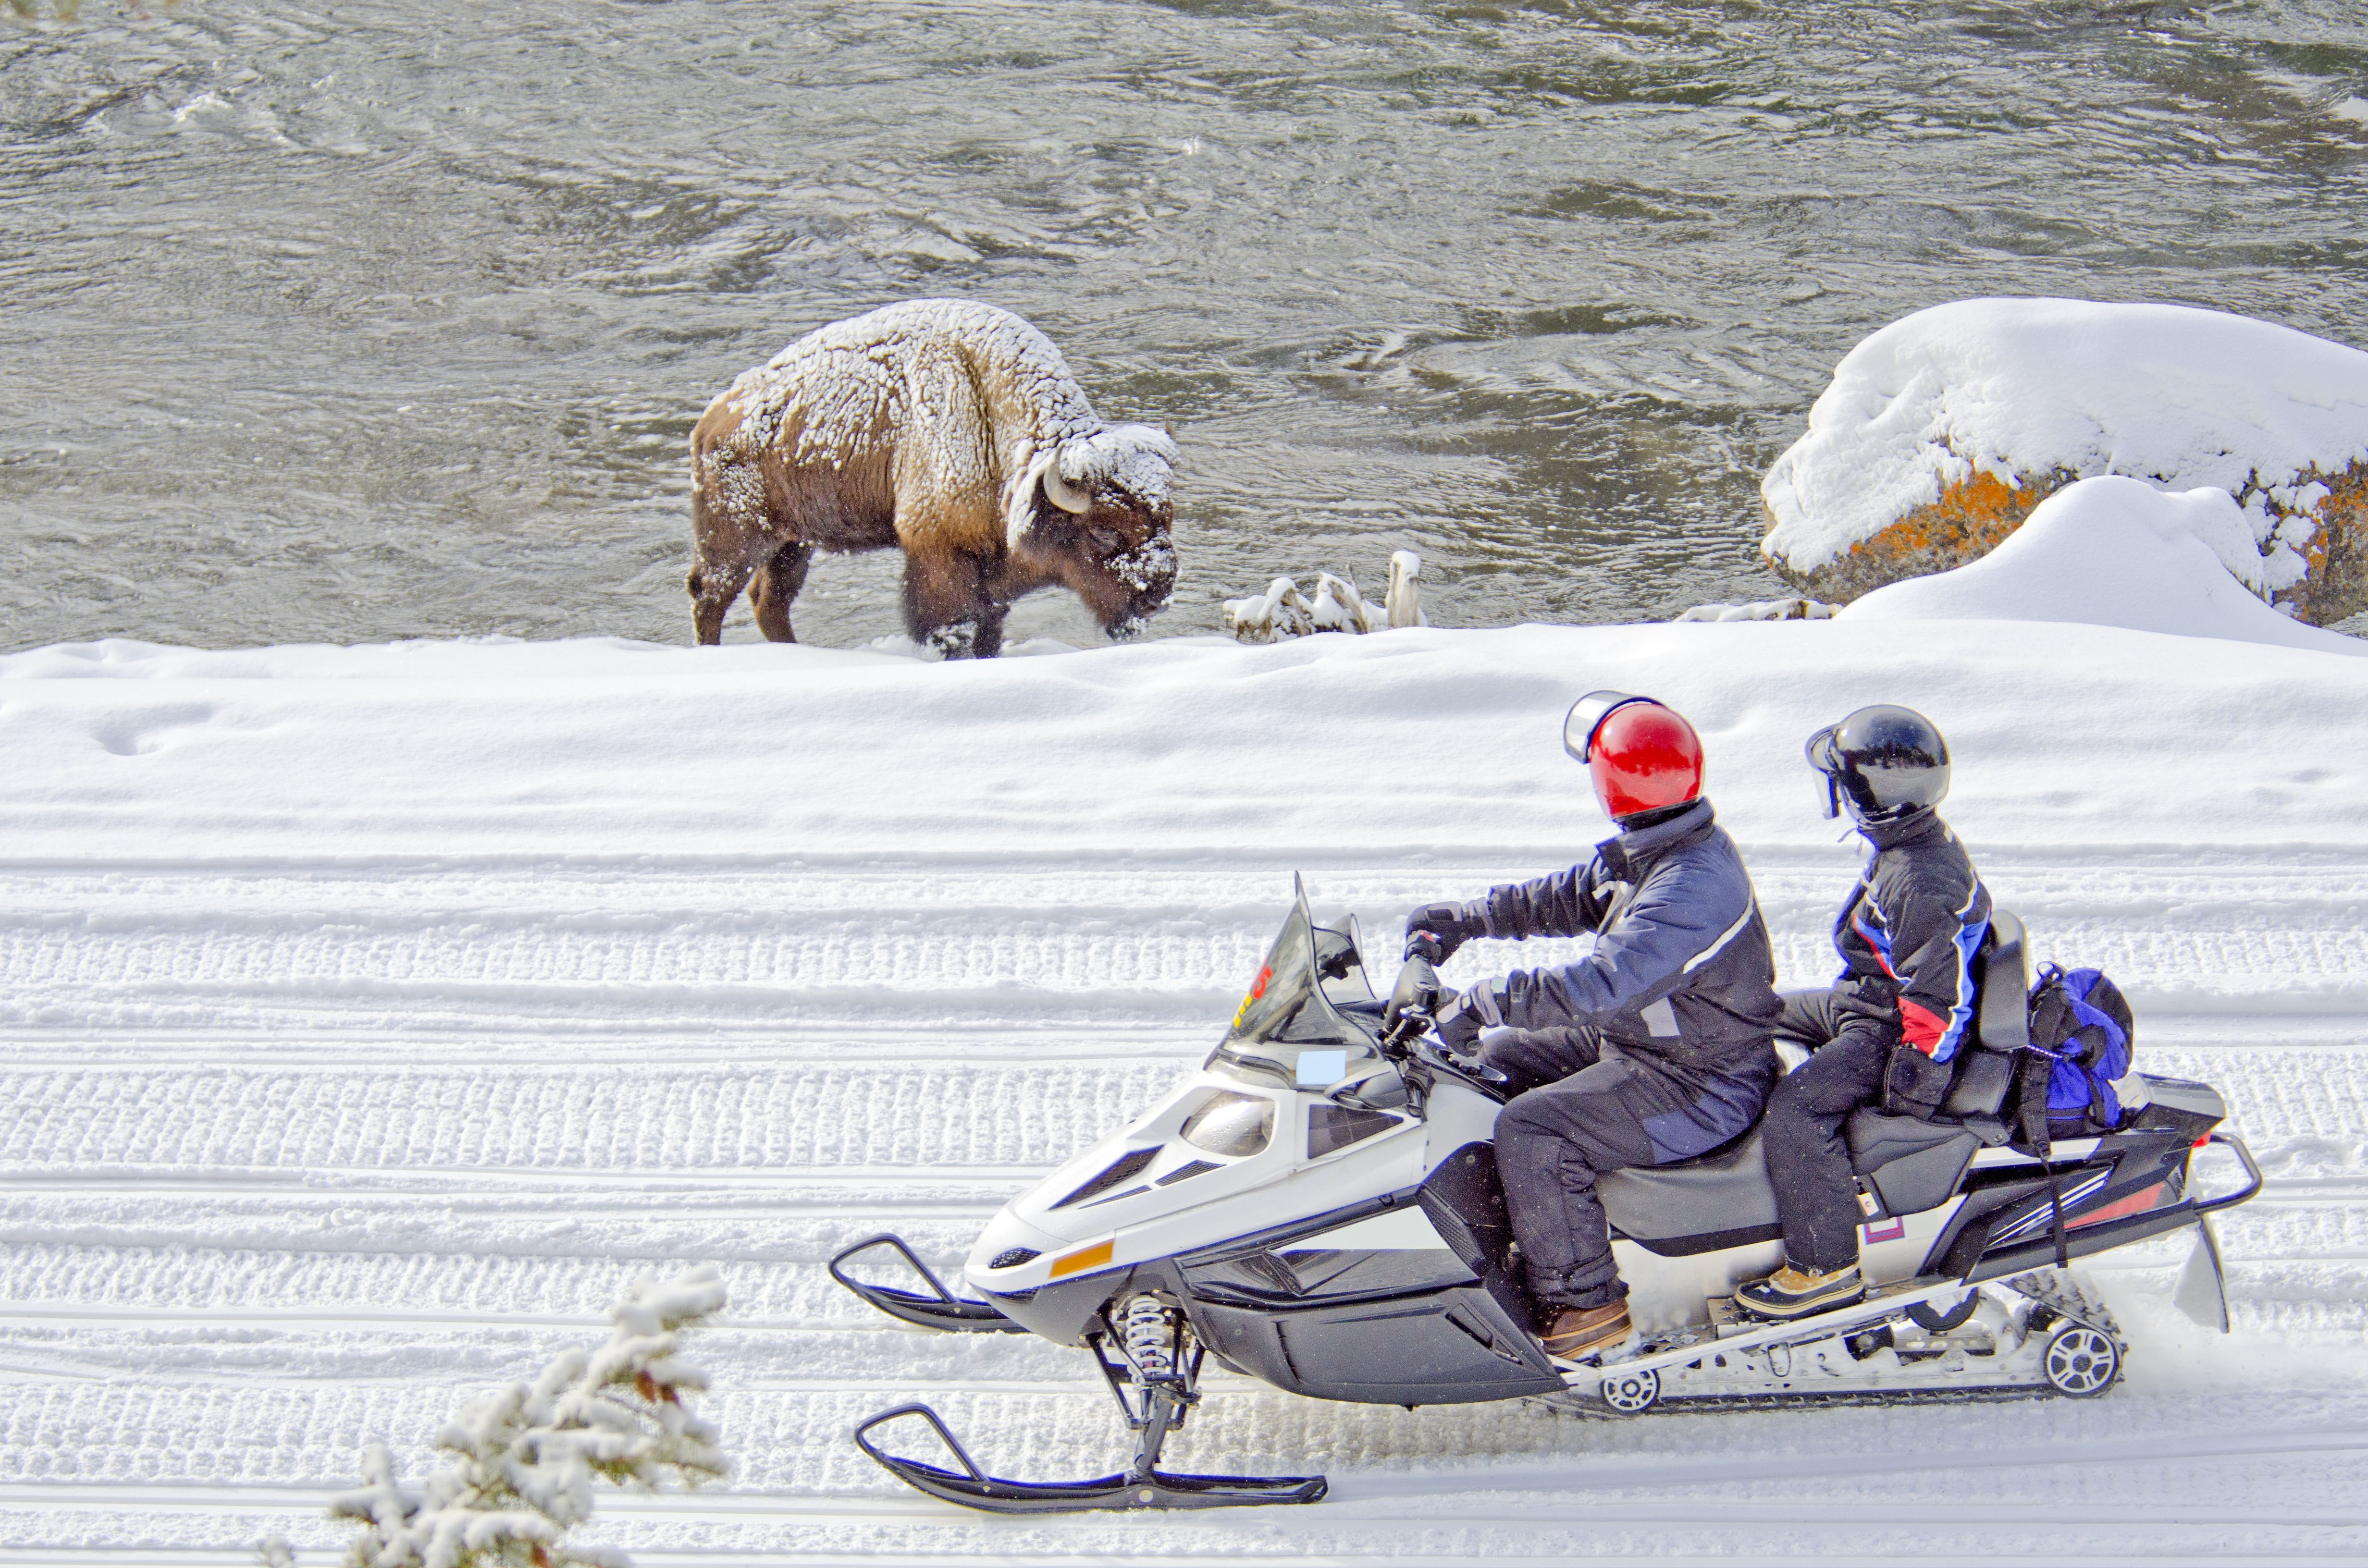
{"x": 1064, "y": 494}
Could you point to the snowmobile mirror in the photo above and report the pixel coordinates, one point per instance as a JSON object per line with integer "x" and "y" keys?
{"x": 1587, "y": 716}
{"x": 1376, "y": 1086}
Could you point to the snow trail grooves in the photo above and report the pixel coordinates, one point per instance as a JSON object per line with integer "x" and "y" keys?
{"x": 292, "y": 1159}
{"x": 459, "y": 948}
{"x": 558, "y": 1117}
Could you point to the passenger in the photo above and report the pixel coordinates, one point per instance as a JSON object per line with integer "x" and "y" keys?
{"x": 1888, "y": 1032}
{"x": 1655, "y": 1047}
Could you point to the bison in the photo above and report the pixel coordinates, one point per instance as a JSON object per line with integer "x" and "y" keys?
{"x": 953, "y": 430}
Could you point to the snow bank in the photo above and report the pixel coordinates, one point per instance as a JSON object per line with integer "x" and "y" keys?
{"x": 1425, "y": 741}
{"x": 2111, "y": 551}
{"x": 2027, "y": 393}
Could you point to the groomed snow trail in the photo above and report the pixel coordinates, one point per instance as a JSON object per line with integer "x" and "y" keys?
{"x": 301, "y": 1150}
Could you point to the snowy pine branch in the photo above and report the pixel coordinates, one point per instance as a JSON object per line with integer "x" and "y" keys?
{"x": 526, "y": 1455}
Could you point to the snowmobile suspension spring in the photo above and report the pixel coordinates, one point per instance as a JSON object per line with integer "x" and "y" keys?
{"x": 1148, "y": 1329}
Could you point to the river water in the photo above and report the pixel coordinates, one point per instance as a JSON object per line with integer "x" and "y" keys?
{"x": 392, "y": 319}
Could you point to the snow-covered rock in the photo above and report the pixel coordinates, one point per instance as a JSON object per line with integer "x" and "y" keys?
{"x": 1280, "y": 612}
{"x": 1763, "y": 609}
{"x": 1283, "y": 612}
{"x": 2111, "y": 552}
{"x": 1404, "y": 601}
{"x": 1337, "y": 607}
{"x": 1942, "y": 432}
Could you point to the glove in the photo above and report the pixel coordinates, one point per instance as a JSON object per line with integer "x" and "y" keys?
{"x": 1459, "y": 1023}
{"x": 1438, "y": 931}
{"x": 1914, "y": 1085}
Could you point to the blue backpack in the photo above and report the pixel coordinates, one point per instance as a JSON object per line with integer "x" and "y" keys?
{"x": 2082, "y": 1027}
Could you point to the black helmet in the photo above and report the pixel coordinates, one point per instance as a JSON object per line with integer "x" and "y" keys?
{"x": 1884, "y": 762}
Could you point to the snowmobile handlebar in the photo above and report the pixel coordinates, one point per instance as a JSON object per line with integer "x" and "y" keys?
{"x": 1413, "y": 999}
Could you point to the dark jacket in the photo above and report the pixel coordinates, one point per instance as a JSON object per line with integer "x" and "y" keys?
{"x": 1907, "y": 935}
{"x": 1681, "y": 972}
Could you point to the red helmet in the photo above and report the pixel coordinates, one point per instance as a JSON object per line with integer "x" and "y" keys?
{"x": 1643, "y": 757}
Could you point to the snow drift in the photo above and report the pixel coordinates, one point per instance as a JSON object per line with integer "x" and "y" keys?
{"x": 2111, "y": 552}
{"x": 1416, "y": 740}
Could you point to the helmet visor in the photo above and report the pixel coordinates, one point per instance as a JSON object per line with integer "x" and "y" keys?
{"x": 1828, "y": 764}
{"x": 1587, "y": 716}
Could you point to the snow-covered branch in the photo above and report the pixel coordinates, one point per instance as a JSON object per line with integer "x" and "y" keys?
{"x": 525, "y": 1457}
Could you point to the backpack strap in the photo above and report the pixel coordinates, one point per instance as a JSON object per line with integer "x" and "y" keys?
{"x": 2031, "y": 1076}
{"x": 2055, "y": 1215}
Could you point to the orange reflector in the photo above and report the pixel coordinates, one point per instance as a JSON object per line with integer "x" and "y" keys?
{"x": 2121, "y": 1207}
{"x": 1092, "y": 1257}
{"x": 2200, "y": 1142}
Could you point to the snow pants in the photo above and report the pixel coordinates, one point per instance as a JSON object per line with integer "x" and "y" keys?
{"x": 1808, "y": 1157}
{"x": 1580, "y": 1108}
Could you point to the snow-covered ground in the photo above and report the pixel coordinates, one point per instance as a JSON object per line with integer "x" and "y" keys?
{"x": 373, "y": 1016}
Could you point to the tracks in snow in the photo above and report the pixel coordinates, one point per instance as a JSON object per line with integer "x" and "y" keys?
{"x": 295, "y": 1158}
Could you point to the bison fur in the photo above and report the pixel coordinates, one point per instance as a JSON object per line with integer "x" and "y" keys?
{"x": 947, "y": 428}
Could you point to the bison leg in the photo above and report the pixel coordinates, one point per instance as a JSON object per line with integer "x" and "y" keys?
{"x": 948, "y": 607}
{"x": 729, "y": 537}
{"x": 714, "y": 586}
{"x": 776, "y": 588}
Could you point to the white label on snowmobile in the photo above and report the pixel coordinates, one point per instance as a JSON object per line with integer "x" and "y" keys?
{"x": 1400, "y": 1229}
{"x": 1321, "y": 1069}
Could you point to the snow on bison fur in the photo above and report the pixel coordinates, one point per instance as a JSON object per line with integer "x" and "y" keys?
{"x": 948, "y": 428}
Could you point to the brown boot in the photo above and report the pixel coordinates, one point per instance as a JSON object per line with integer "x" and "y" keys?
{"x": 1582, "y": 1331}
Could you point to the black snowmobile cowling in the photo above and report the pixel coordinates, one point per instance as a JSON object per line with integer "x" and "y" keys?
{"x": 1317, "y": 1206}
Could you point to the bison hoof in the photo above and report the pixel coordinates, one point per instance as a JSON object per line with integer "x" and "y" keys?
{"x": 959, "y": 640}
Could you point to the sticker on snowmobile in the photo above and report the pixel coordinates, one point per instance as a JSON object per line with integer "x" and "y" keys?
{"x": 1258, "y": 989}
{"x": 1319, "y": 1068}
{"x": 1889, "y": 1231}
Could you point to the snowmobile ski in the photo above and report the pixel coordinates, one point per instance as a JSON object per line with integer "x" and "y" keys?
{"x": 1135, "y": 1490}
{"x": 944, "y": 1309}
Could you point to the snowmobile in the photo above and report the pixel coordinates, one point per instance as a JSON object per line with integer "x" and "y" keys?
{"x": 1318, "y": 1207}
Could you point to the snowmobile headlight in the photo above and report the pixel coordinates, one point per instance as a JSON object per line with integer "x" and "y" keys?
{"x": 1230, "y": 1124}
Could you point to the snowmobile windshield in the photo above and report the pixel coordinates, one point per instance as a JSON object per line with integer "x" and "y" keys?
{"x": 1287, "y": 1029}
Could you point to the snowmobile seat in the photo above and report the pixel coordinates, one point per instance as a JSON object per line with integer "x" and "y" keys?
{"x": 1719, "y": 1200}
{"x": 1913, "y": 1164}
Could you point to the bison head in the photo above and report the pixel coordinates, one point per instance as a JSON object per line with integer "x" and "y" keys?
{"x": 1104, "y": 530}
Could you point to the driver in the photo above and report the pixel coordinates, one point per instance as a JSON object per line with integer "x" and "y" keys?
{"x": 1655, "y": 1047}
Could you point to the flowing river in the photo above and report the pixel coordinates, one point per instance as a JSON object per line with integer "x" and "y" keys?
{"x": 391, "y": 319}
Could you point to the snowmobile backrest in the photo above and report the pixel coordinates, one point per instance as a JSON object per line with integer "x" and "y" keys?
{"x": 2002, "y": 986}
{"x": 2001, "y": 1021}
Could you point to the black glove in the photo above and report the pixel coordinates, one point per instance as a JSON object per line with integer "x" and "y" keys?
{"x": 1438, "y": 931}
{"x": 1914, "y": 1085}
{"x": 1463, "y": 1016}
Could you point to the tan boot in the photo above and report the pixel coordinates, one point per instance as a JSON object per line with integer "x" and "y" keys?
{"x": 1582, "y": 1331}
{"x": 1792, "y": 1292}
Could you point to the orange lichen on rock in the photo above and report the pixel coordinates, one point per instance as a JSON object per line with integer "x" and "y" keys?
{"x": 1966, "y": 522}
{"x": 2337, "y": 588}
